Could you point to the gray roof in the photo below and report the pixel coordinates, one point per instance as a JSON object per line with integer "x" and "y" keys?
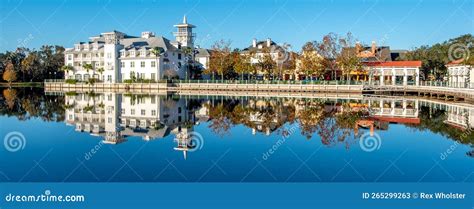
{"x": 201, "y": 52}
{"x": 135, "y": 42}
{"x": 256, "y": 49}
{"x": 148, "y": 43}
{"x": 152, "y": 133}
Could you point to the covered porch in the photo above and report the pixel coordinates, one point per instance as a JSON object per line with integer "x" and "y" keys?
{"x": 396, "y": 73}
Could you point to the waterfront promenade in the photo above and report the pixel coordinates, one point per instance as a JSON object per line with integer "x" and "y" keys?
{"x": 425, "y": 89}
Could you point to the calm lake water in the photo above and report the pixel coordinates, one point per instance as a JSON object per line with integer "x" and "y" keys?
{"x": 100, "y": 137}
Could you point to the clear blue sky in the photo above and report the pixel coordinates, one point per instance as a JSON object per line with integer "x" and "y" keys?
{"x": 401, "y": 24}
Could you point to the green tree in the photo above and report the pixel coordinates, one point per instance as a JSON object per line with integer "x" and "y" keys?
{"x": 30, "y": 66}
{"x": 188, "y": 58}
{"x": 434, "y": 58}
{"x": 87, "y": 67}
{"x": 101, "y": 71}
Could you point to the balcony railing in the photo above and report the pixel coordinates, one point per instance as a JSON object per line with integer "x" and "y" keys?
{"x": 184, "y": 34}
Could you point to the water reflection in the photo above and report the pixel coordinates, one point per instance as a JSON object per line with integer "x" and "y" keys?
{"x": 229, "y": 138}
{"x": 116, "y": 117}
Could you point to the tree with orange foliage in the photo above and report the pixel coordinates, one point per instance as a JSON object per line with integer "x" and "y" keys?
{"x": 9, "y": 75}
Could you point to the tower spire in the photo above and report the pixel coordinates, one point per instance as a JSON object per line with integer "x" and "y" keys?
{"x": 185, "y": 21}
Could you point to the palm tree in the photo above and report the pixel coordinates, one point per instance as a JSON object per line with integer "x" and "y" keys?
{"x": 187, "y": 52}
{"x": 87, "y": 67}
{"x": 101, "y": 71}
{"x": 157, "y": 51}
{"x": 67, "y": 68}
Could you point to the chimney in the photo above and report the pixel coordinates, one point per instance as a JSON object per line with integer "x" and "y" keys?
{"x": 269, "y": 42}
{"x": 147, "y": 34}
{"x": 373, "y": 47}
{"x": 358, "y": 47}
{"x": 254, "y": 42}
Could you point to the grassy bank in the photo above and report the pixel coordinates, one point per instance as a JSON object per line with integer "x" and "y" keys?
{"x": 23, "y": 84}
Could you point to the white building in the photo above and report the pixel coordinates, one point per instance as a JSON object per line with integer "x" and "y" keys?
{"x": 95, "y": 114}
{"x": 259, "y": 49}
{"x": 114, "y": 57}
{"x": 397, "y": 73}
{"x": 460, "y": 75}
{"x": 202, "y": 57}
{"x": 114, "y": 117}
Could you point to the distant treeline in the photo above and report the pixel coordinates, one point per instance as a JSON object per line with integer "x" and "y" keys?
{"x": 435, "y": 57}
{"x": 27, "y": 103}
{"x": 31, "y": 65}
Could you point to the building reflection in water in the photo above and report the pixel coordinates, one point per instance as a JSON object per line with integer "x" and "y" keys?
{"x": 115, "y": 117}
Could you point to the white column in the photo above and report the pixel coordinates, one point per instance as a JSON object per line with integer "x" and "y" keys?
{"x": 404, "y": 107}
{"x": 370, "y": 78}
{"x": 416, "y": 108}
{"x": 394, "y": 76}
{"x": 381, "y": 107}
{"x": 417, "y": 77}
{"x": 392, "y": 106}
{"x": 382, "y": 76}
{"x": 405, "y": 77}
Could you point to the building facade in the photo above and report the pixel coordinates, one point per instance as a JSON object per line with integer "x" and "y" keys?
{"x": 460, "y": 75}
{"x": 259, "y": 49}
{"x": 396, "y": 73}
{"x": 114, "y": 57}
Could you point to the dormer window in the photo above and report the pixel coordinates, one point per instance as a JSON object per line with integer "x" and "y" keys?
{"x": 132, "y": 53}
{"x": 122, "y": 54}
{"x": 142, "y": 53}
